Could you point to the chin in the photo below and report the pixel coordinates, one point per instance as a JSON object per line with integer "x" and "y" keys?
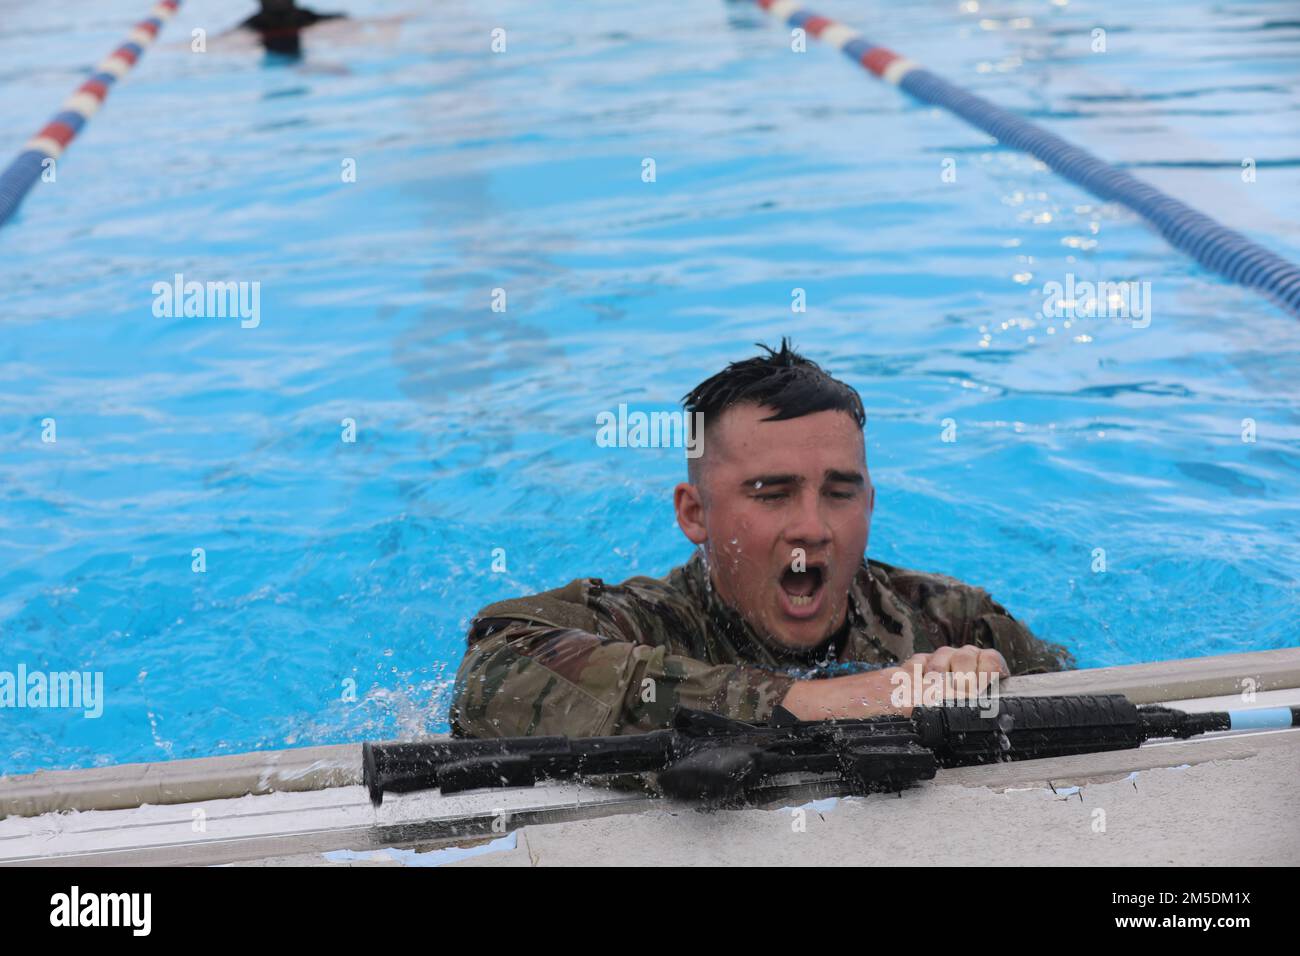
{"x": 800, "y": 638}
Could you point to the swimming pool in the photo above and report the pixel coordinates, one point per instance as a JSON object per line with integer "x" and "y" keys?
{"x": 329, "y": 561}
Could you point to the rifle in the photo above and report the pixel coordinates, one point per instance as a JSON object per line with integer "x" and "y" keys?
{"x": 713, "y": 758}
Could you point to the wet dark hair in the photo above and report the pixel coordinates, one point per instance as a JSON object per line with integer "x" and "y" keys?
{"x": 784, "y": 380}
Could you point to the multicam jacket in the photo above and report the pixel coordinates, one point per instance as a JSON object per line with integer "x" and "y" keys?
{"x": 593, "y": 659}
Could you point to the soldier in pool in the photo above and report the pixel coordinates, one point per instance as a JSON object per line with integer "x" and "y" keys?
{"x": 778, "y": 594}
{"x": 279, "y": 25}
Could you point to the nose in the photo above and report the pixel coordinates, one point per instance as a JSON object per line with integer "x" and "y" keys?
{"x": 808, "y": 527}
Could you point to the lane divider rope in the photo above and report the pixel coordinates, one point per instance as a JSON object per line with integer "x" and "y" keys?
{"x": 1209, "y": 242}
{"x": 49, "y": 144}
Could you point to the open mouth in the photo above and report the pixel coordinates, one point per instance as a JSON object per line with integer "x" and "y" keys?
{"x": 802, "y": 588}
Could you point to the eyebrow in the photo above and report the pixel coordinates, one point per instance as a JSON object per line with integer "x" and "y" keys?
{"x": 850, "y": 477}
{"x": 831, "y": 475}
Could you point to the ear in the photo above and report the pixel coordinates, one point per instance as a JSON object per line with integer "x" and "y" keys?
{"x": 689, "y": 505}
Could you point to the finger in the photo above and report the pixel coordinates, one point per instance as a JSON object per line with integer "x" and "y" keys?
{"x": 992, "y": 661}
{"x": 938, "y": 661}
{"x": 988, "y": 667}
{"x": 964, "y": 660}
{"x": 952, "y": 688}
{"x": 962, "y": 678}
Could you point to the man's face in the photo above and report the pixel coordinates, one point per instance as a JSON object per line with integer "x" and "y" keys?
{"x": 769, "y": 494}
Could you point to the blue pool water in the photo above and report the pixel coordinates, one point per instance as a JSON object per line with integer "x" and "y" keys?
{"x": 330, "y": 562}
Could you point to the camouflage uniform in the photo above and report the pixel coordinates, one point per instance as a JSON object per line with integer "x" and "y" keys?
{"x": 591, "y": 659}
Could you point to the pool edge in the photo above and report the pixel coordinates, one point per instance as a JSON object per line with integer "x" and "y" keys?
{"x": 124, "y": 786}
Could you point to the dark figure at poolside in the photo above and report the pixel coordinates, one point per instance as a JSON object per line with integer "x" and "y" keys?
{"x": 280, "y": 22}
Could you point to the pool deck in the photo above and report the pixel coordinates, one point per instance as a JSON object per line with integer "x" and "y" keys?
{"x": 1221, "y": 798}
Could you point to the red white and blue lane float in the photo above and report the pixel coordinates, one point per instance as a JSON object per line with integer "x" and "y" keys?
{"x": 1213, "y": 245}
{"x": 45, "y": 148}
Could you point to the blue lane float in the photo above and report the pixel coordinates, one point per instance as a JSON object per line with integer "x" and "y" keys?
{"x": 48, "y": 145}
{"x": 1216, "y": 247}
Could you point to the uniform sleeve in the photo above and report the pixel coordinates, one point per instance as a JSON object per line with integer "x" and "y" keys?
{"x": 968, "y": 615}
{"x": 521, "y": 678}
